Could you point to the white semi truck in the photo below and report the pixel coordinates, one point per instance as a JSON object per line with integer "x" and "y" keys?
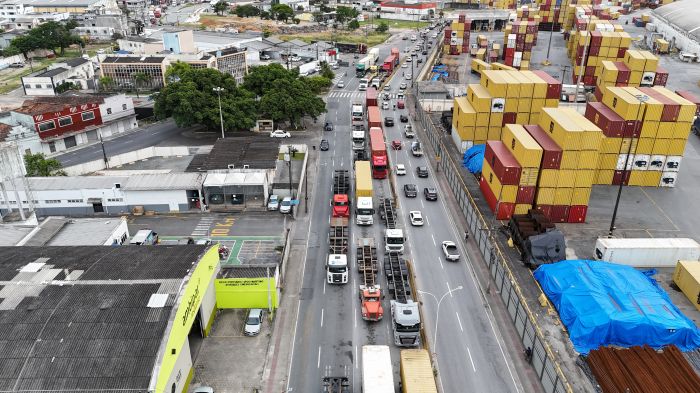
{"x": 364, "y": 211}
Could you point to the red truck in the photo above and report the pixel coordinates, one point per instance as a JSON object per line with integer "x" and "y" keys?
{"x": 371, "y": 97}
{"x": 389, "y": 64}
{"x": 341, "y": 189}
{"x": 374, "y": 117}
{"x": 379, "y": 156}
{"x": 397, "y": 54}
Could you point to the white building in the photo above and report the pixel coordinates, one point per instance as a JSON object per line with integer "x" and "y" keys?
{"x": 14, "y": 7}
{"x": 62, "y": 231}
{"x": 408, "y": 10}
{"x": 29, "y": 21}
{"x": 679, "y": 24}
{"x": 79, "y": 72}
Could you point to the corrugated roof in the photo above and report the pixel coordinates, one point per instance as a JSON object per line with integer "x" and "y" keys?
{"x": 239, "y": 271}
{"x": 168, "y": 181}
{"x": 258, "y": 151}
{"x": 75, "y": 182}
{"x": 228, "y": 179}
{"x": 85, "y": 232}
{"x": 41, "y": 105}
{"x": 685, "y": 15}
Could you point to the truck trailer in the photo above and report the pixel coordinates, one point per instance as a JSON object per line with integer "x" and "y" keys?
{"x": 369, "y": 291}
{"x": 417, "y": 374}
{"x": 377, "y": 371}
{"x": 647, "y": 252}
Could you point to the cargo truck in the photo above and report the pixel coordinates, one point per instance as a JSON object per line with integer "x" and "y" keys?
{"x": 371, "y": 97}
{"x": 374, "y": 117}
{"x": 389, "y": 64}
{"x": 351, "y": 48}
{"x": 397, "y": 56}
{"x": 358, "y": 140}
{"x": 366, "y": 63}
{"x": 338, "y": 235}
{"x": 369, "y": 291}
{"x": 417, "y": 374}
{"x": 341, "y": 187}
{"x": 393, "y": 236}
{"x": 337, "y": 269}
{"x": 357, "y": 111}
{"x": 364, "y": 209}
{"x": 339, "y": 384}
{"x": 405, "y": 318}
{"x": 380, "y": 159}
{"x": 647, "y": 252}
{"x": 377, "y": 371}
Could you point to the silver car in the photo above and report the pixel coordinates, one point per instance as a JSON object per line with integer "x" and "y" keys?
{"x": 286, "y": 205}
{"x": 273, "y": 203}
{"x": 253, "y": 322}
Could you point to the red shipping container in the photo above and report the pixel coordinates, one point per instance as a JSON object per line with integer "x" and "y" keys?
{"x": 448, "y": 33}
{"x": 560, "y": 213}
{"x": 577, "y": 214}
{"x": 590, "y": 70}
{"x": 531, "y": 28}
{"x": 465, "y": 35}
{"x": 618, "y": 176}
{"x": 519, "y": 46}
{"x": 509, "y": 118}
{"x": 661, "y": 77}
{"x": 623, "y": 72}
{"x": 632, "y": 129}
{"x": 553, "y": 85}
{"x": 503, "y": 163}
{"x": 551, "y": 152}
{"x": 526, "y": 194}
{"x": 598, "y": 94}
{"x": 505, "y": 209}
{"x": 510, "y": 52}
{"x": 527, "y": 47}
{"x": 671, "y": 109}
{"x": 579, "y": 51}
{"x": 621, "y": 53}
{"x": 462, "y": 18}
{"x": 589, "y": 80}
{"x": 594, "y": 51}
{"x": 606, "y": 119}
{"x": 545, "y": 209}
{"x": 520, "y": 38}
{"x": 690, "y": 97}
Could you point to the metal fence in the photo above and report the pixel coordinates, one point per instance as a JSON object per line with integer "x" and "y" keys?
{"x": 543, "y": 361}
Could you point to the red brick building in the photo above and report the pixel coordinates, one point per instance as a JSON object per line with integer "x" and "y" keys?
{"x": 55, "y": 117}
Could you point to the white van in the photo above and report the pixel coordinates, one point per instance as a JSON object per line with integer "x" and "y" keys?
{"x": 144, "y": 237}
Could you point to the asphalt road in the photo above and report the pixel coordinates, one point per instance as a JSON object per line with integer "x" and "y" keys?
{"x": 185, "y": 13}
{"x": 330, "y": 332}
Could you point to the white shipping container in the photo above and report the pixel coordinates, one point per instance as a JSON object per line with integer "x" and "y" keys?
{"x": 377, "y": 370}
{"x": 673, "y": 163}
{"x": 668, "y": 179}
{"x": 621, "y": 162}
{"x": 517, "y": 58}
{"x": 656, "y": 163}
{"x": 652, "y": 252}
{"x": 641, "y": 162}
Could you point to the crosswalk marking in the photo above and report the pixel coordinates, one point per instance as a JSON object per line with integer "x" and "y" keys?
{"x": 202, "y": 228}
{"x": 355, "y": 94}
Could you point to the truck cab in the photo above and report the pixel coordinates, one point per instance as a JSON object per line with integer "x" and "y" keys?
{"x": 371, "y": 300}
{"x": 394, "y": 240}
{"x": 337, "y": 269}
{"x": 364, "y": 83}
{"x": 364, "y": 211}
{"x": 358, "y": 140}
{"x": 341, "y": 205}
{"x": 405, "y": 321}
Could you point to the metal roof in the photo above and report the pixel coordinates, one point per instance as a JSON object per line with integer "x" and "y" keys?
{"x": 75, "y": 182}
{"x": 684, "y": 15}
{"x": 257, "y": 151}
{"x": 240, "y": 271}
{"x": 80, "y": 321}
{"x": 166, "y": 181}
{"x": 236, "y": 178}
{"x": 85, "y": 231}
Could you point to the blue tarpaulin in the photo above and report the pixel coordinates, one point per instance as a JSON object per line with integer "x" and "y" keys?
{"x": 474, "y": 158}
{"x": 603, "y": 303}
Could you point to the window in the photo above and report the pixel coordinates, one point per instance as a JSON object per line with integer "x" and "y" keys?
{"x": 27, "y": 86}
{"x": 52, "y": 147}
{"x": 46, "y": 126}
{"x": 87, "y": 116}
{"x": 52, "y": 201}
{"x": 75, "y": 201}
{"x": 109, "y": 111}
{"x": 69, "y": 142}
{"x": 124, "y": 106}
{"x": 37, "y": 86}
{"x": 64, "y": 121}
{"x": 115, "y": 199}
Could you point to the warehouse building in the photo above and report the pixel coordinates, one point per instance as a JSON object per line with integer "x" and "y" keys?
{"x": 104, "y": 318}
{"x": 679, "y": 24}
{"x": 63, "y": 231}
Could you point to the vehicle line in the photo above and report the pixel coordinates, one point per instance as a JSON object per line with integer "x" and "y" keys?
{"x": 324, "y": 291}
{"x": 441, "y": 264}
{"x": 459, "y": 321}
{"x": 448, "y": 291}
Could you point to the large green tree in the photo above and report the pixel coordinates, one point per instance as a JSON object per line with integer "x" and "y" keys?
{"x": 343, "y": 14}
{"x": 282, "y": 12}
{"x": 192, "y": 100}
{"x": 50, "y": 35}
{"x": 38, "y": 165}
{"x": 220, "y": 7}
{"x": 247, "y": 10}
{"x": 260, "y": 79}
{"x": 382, "y": 28}
{"x": 291, "y": 100}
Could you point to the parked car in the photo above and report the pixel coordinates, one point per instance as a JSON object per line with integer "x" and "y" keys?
{"x": 265, "y": 57}
{"x": 328, "y": 126}
{"x": 203, "y": 242}
{"x": 295, "y": 58}
{"x": 410, "y": 190}
{"x": 400, "y": 170}
{"x": 17, "y": 65}
{"x": 324, "y": 145}
{"x": 280, "y": 134}
{"x": 396, "y": 144}
{"x": 403, "y": 118}
{"x": 203, "y": 389}
{"x": 422, "y": 171}
{"x": 430, "y": 193}
{"x": 413, "y": 37}
{"x": 286, "y": 205}
{"x": 273, "y": 203}
{"x": 389, "y": 121}
{"x": 254, "y": 322}
{"x": 416, "y": 218}
{"x": 450, "y": 250}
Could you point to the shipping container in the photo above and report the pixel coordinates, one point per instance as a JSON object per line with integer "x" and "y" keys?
{"x": 577, "y": 214}
{"x": 553, "y": 85}
{"x": 647, "y": 252}
{"x": 525, "y": 149}
{"x": 377, "y": 372}
{"x": 605, "y": 118}
{"x": 687, "y": 277}
{"x": 417, "y": 372}
{"x": 502, "y": 210}
{"x": 559, "y": 213}
{"x": 504, "y": 165}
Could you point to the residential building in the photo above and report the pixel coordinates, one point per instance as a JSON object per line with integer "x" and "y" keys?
{"x": 28, "y": 21}
{"x": 179, "y": 41}
{"x": 232, "y": 61}
{"x": 79, "y": 72}
{"x": 52, "y": 124}
{"x": 408, "y": 10}
{"x": 140, "y": 45}
{"x": 101, "y": 25}
{"x": 6, "y": 37}
{"x": 122, "y": 69}
{"x": 14, "y": 7}
{"x": 73, "y": 6}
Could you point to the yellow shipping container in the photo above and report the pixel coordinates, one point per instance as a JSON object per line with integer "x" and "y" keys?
{"x": 635, "y": 60}
{"x": 513, "y": 86}
{"x": 636, "y": 77}
{"x": 545, "y": 196}
{"x": 624, "y": 104}
{"x": 661, "y": 147}
{"x": 562, "y": 196}
{"x": 687, "y": 278}
{"x": 482, "y": 119}
{"x": 539, "y": 85}
{"x": 548, "y": 178}
{"x": 688, "y": 109}
{"x": 525, "y": 64}
{"x": 569, "y": 159}
{"x": 677, "y": 147}
{"x": 551, "y": 103}
{"x": 479, "y": 97}
{"x": 625, "y": 39}
{"x": 584, "y": 178}
{"x": 511, "y": 105}
{"x": 681, "y": 130}
{"x": 610, "y": 145}
{"x": 466, "y": 133}
{"x": 526, "y": 150}
{"x": 564, "y": 130}
{"x": 604, "y": 176}
{"x": 522, "y": 208}
{"x": 651, "y": 61}
{"x": 492, "y": 180}
{"x": 496, "y": 119}
{"x": 588, "y": 159}
{"x": 649, "y": 129}
{"x": 500, "y": 66}
{"x": 526, "y": 85}
{"x": 524, "y": 105}
{"x": 636, "y": 178}
{"x": 566, "y": 178}
{"x": 537, "y": 105}
{"x": 494, "y": 133}
{"x": 626, "y": 145}
{"x": 665, "y": 130}
{"x": 607, "y": 161}
{"x": 581, "y": 195}
{"x": 482, "y": 133}
{"x": 644, "y": 146}
{"x": 522, "y": 118}
{"x": 479, "y": 66}
{"x": 494, "y": 82}
{"x": 456, "y": 26}
{"x": 528, "y": 176}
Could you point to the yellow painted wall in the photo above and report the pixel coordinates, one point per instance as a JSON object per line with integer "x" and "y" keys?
{"x": 246, "y": 292}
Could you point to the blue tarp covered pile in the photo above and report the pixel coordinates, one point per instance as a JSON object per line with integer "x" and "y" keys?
{"x": 603, "y": 303}
{"x": 474, "y": 158}
{"x": 439, "y": 71}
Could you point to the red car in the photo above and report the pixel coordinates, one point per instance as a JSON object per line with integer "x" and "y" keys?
{"x": 396, "y": 144}
{"x": 400, "y": 104}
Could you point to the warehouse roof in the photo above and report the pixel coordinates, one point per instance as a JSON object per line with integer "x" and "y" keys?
{"x": 684, "y": 15}
{"x": 84, "y": 231}
{"x": 257, "y": 151}
{"x": 74, "y": 182}
{"x": 240, "y": 271}
{"x": 169, "y": 181}
{"x": 80, "y": 320}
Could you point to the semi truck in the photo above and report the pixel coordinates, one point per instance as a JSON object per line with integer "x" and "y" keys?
{"x": 370, "y": 291}
{"x": 343, "y": 47}
{"x": 417, "y": 374}
{"x": 338, "y": 236}
{"x": 364, "y": 209}
{"x": 337, "y": 269}
{"x": 371, "y": 97}
{"x": 377, "y": 371}
{"x": 366, "y": 63}
{"x": 358, "y": 140}
{"x": 393, "y": 235}
{"x": 374, "y": 117}
{"x": 389, "y": 64}
{"x": 341, "y": 188}
{"x": 379, "y": 155}
{"x": 405, "y": 317}
{"x": 357, "y": 111}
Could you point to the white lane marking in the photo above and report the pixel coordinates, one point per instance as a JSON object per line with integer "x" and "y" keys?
{"x": 357, "y": 364}
{"x": 421, "y": 203}
{"x": 426, "y": 220}
{"x": 470, "y": 359}
{"x": 433, "y": 237}
{"x": 324, "y": 287}
{"x": 459, "y": 321}
{"x": 321, "y": 317}
{"x": 441, "y": 265}
{"x": 318, "y": 362}
{"x": 448, "y": 291}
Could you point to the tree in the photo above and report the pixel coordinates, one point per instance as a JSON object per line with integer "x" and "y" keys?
{"x": 39, "y": 166}
{"x": 220, "y": 7}
{"x": 354, "y": 24}
{"x": 318, "y": 84}
{"x": 291, "y": 100}
{"x": 191, "y": 100}
{"x": 140, "y": 79}
{"x": 246, "y": 11}
{"x": 343, "y": 14}
{"x": 326, "y": 71}
{"x": 50, "y": 35}
{"x": 260, "y": 79}
{"x": 318, "y": 17}
{"x": 382, "y": 27}
{"x": 106, "y": 82}
{"x": 282, "y": 12}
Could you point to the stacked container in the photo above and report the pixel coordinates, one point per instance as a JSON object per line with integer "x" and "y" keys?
{"x": 456, "y": 38}
{"x": 652, "y": 123}
{"x": 638, "y": 68}
{"x": 568, "y": 167}
{"x": 502, "y": 97}
{"x": 589, "y": 49}
{"x": 520, "y": 37}
{"x": 551, "y": 14}
{"x": 502, "y": 4}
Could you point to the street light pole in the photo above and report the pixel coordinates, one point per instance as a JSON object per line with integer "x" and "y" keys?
{"x": 218, "y": 91}
{"x": 549, "y": 46}
{"x": 104, "y": 153}
{"x": 437, "y": 312}
{"x": 642, "y": 99}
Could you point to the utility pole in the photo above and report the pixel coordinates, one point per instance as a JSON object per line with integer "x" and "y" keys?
{"x": 549, "y": 45}
{"x": 564, "y": 68}
{"x": 218, "y": 91}
{"x": 289, "y": 166}
{"x": 583, "y": 59}
{"x": 104, "y": 153}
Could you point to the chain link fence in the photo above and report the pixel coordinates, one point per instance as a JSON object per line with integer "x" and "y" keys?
{"x": 543, "y": 361}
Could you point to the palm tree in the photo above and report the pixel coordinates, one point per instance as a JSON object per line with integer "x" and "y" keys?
{"x": 140, "y": 78}
{"x": 107, "y": 82}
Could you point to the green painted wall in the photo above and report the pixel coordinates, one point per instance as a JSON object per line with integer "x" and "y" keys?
{"x": 245, "y": 292}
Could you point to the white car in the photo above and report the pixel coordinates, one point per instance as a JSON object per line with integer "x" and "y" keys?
{"x": 280, "y": 134}
{"x": 400, "y": 170}
{"x": 404, "y": 65}
{"x": 434, "y": 35}
{"x": 286, "y": 205}
{"x": 253, "y": 322}
{"x": 403, "y": 86}
{"x": 408, "y": 59}
{"x": 409, "y": 76}
{"x": 295, "y": 58}
{"x": 385, "y": 105}
{"x": 273, "y": 203}
{"x": 413, "y": 37}
{"x": 450, "y": 250}
{"x": 340, "y": 84}
{"x": 416, "y": 218}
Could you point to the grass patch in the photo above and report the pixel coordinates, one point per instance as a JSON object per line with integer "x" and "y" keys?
{"x": 397, "y": 24}
{"x": 354, "y": 38}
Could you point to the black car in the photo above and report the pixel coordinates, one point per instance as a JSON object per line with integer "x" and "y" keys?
{"x": 410, "y": 190}
{"x": 389, "y": 121}
{"x": 328, "y": 126}
{"x": 420, "y": 61}
{"x": 324, "y": 145}
{"x": 430, "y": 193}
{"x": 425, "y": 52}
{"x": 422, "y": 171}
{"x": 360, "y": 155}
{"x": 403, "y": 118}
